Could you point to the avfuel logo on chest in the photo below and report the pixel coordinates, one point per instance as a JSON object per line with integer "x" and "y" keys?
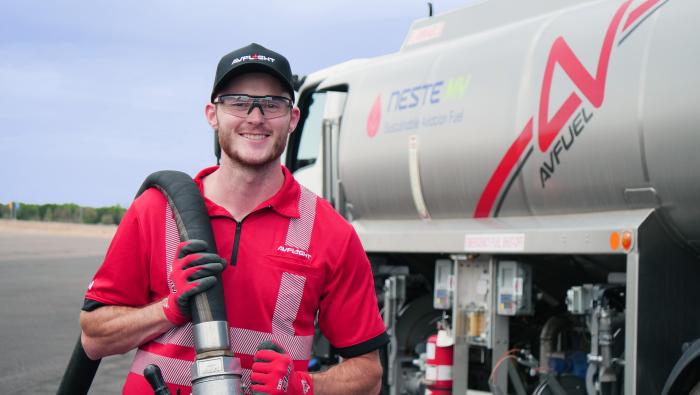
{"x": 558, "y": 133}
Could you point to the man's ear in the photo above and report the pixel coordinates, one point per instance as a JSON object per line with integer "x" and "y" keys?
{"x": 294, "y": 119}
{"x": 210, "y": 114}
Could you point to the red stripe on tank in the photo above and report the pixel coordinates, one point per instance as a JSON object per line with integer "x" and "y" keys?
{"x": 639, "y": 11}
{"x": 500, "y": 175}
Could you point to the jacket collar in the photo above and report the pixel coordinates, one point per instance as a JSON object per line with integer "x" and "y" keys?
{"x": 285, "y": 201}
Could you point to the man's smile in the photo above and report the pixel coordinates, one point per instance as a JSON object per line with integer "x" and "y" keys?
{"x": 255, "y": 136}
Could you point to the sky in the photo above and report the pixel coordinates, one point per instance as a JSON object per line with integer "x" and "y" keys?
{"x": 96, "y": 95}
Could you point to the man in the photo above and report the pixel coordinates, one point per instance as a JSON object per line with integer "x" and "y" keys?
{"x": 290, "y": 258}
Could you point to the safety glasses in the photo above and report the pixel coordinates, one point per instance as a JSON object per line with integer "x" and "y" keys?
{"x": 241, "y": 105}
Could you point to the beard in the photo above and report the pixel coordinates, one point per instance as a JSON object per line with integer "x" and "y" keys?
{"x": 239, "y": 156}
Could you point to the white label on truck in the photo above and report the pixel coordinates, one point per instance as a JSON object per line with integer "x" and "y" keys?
{"x": 505, "y": 242}
{"x": 482, "y": 287}
{"x": 425, "y": 33}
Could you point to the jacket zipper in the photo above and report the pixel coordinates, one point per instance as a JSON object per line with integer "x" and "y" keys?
{"x": 236, "y": 240}
{"x": 237, "y": 237}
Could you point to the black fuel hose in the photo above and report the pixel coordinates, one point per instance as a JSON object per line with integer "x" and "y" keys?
{"x": 79, "y": 373}
{"x": 192, "y": 221}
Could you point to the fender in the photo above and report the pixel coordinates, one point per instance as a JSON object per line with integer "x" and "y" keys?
{"x": 192, "y": 221}
{"x": 686, "y": 373}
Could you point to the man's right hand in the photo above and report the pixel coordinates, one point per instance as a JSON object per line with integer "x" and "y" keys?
{"x": 194, "y": 271}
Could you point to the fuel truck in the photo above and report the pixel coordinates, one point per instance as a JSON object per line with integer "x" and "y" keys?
{"x": 525, "y": 179}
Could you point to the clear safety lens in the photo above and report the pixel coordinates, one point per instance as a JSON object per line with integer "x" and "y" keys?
{"x": 242, "y": 105}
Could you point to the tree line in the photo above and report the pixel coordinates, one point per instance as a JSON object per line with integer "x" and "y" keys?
{"x": 67, "y": 212}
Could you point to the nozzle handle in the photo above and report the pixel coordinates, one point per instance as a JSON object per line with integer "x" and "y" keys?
{"x": 155, "y": 379}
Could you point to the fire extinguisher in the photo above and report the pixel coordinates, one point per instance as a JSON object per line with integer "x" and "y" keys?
{"x": 440, "y": 357}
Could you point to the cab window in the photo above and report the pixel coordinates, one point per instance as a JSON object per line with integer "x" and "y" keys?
{"x": 305, "y": 142}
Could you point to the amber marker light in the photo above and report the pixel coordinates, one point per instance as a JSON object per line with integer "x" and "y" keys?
{"x": 614, "y": 241}
{"x": 627, "y": 240}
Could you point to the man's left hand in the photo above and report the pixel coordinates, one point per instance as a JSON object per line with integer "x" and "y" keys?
{"x": 274, "y": 374}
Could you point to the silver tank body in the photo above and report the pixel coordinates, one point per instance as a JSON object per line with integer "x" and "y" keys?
{"x": 456, "y": 101}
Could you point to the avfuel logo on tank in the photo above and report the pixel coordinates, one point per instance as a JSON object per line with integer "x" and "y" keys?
{"x": 402, "y": 105}
{"x": 558, "y": 131}
{"x": 564, "y": 143}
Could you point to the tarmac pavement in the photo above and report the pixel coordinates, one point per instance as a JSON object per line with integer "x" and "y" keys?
{"x": 43, "y": 277}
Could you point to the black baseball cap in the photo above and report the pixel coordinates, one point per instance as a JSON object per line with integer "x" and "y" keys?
{"x": 253, "y": 58}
